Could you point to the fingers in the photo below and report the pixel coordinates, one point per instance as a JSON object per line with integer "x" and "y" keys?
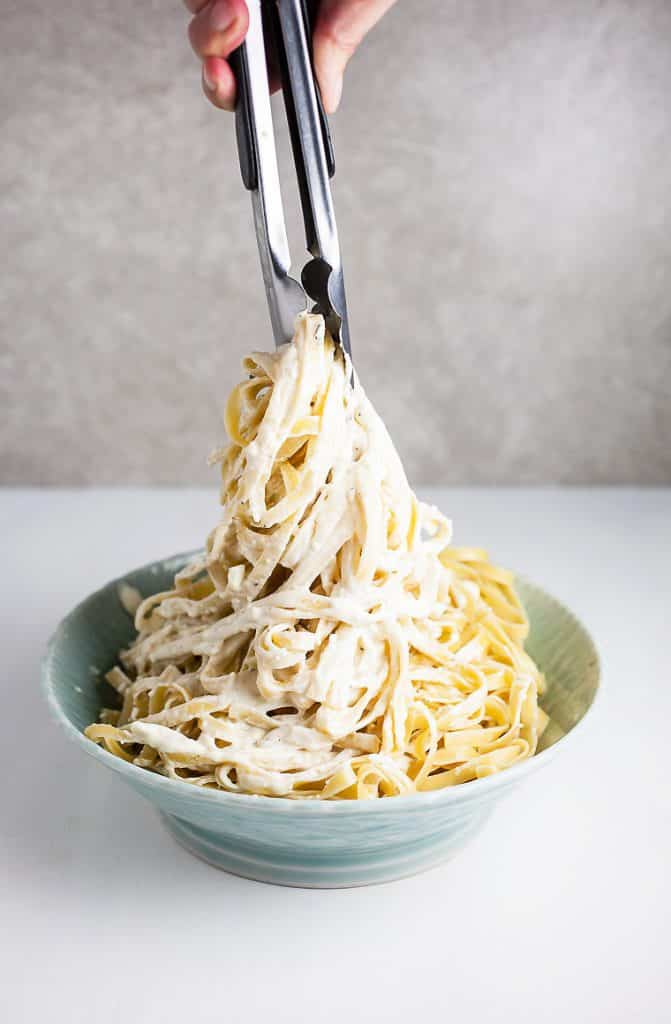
{"x": 219, "y": 26}
{"x": 219, "y": 83}
{"x": 340, "y": 27}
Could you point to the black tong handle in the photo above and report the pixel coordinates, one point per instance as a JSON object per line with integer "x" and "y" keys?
{"x": 243, "y": 120}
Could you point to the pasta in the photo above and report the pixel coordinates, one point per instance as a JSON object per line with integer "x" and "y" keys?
{"x": 330, "y": 642}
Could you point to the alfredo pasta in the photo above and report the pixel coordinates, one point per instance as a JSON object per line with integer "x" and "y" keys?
{"x": 330, "y": 643}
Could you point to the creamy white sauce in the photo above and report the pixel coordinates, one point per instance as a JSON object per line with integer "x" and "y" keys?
{"x": 334, "y": 621}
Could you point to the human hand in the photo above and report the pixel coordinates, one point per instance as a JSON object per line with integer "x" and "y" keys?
{"x": 219, "y": 26}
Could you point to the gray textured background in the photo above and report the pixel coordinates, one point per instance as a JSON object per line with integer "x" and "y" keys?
{"x": 504, "y": 200}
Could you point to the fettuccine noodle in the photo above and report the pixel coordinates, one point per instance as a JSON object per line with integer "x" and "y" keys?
{"x": 330, "y": 643}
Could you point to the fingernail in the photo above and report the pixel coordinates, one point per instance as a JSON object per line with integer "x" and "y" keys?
{"x": 336, "y": 94}
{"x": 209, "y": 80}
{"x": 331, "y": 91}
{"x": 221, "y": 18}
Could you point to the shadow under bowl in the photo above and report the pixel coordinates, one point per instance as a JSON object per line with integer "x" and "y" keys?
{"x": 311, "y": 843}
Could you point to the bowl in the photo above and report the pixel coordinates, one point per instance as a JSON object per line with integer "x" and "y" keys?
{"x": 311, "y": 843}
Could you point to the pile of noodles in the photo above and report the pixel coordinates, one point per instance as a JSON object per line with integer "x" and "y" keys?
{"x": 330, "y": 643}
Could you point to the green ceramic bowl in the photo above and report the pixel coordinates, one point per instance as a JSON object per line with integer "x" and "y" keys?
{"x": 311, "y": 843}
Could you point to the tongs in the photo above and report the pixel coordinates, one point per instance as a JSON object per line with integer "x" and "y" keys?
{"x": 284, "y": 25}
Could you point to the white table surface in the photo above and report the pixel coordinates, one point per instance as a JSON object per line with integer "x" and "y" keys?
{"x": 560, "y": 910}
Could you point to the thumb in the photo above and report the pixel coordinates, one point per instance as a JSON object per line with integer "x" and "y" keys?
{"x": 340, "y": 27}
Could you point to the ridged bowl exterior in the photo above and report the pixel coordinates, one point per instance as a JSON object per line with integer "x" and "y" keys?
{"x": 311, "y": 843}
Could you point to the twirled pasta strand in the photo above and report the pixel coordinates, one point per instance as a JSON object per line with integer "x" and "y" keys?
{"x": 330, "y": 643}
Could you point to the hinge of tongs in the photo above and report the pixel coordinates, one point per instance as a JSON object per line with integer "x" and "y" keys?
{"x": 284, "y": 25}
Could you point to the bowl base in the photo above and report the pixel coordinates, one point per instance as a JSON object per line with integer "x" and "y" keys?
{"x": 264, "y": 864}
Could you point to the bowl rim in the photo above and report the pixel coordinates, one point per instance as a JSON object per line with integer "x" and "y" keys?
{"x": 471, "y": 791}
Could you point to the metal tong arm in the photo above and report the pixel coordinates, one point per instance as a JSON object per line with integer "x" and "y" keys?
{"x": 287, "y": 24}
{"x": 322, "y": 276}
{"x": 258, "y": 166}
